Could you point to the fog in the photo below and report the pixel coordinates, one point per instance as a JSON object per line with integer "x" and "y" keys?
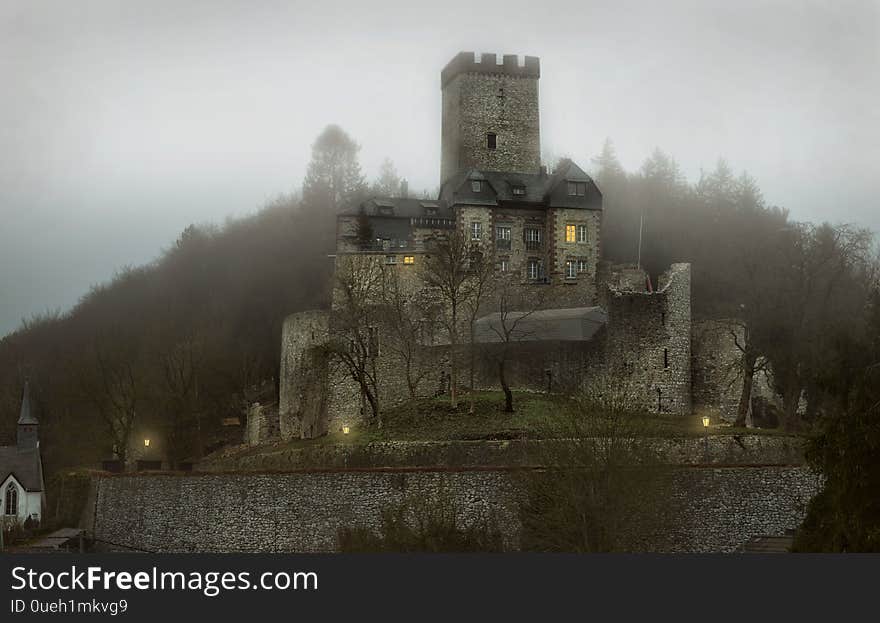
{"x": 123, "y": 122}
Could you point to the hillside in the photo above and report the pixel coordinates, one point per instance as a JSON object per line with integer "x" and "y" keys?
{"x": 176, "y": 344}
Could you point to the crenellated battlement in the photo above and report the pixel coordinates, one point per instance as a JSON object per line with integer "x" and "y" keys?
{"x": 466, "y": 62}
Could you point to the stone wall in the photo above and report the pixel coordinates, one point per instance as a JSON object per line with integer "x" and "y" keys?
{"x": 263, "y": 425}
{"x": 302, "y": 407}
{"x": 714, "y": 509}
{"x": 649, "y": 342}
{"x": 717, "y": 369}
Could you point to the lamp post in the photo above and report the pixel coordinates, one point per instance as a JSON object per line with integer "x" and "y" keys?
{"x": 345, "y": 429}
{"x": 706, "y": 433}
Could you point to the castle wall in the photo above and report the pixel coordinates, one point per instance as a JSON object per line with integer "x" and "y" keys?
{"x": 302, "y": 406}
{"x": 717, "y": 368}
{"x": 479, "y": 98}
{"x": 649, "y": 342}
{"x": 705, "y": 509}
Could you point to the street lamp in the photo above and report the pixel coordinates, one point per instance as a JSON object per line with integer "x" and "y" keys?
{"x": 345, "y": 429}
{"x": 706, "y": 422}
{"x": 146, "y": 443}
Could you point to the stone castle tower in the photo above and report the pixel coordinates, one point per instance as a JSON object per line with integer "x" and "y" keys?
{"x": 490, "y": 114}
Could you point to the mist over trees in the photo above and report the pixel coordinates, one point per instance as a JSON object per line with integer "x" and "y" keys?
{"x": 176, "y": 346}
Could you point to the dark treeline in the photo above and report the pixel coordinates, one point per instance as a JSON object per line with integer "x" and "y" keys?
{"x": 805, "y": 301}
{"x": 175, "y": 346}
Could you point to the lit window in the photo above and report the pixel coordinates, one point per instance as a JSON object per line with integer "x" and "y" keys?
{"x": 391, "y": 259}
{"x": 582, "y": 233}
{"x": 476, "y": 186}
{"x": 577, "y": 189}
{"x": 409, "y": 259}
{"x": 519, "y": 191}
{"x": 11, "y": 501}
{"x": 571, "y": 269}
{"x": 491, "y": 140}
{"x": 476, "y": 231}
{"x": 534, "y": 269}
{"x": 570, "y": 231}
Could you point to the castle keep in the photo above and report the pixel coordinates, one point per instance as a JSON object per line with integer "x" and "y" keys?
{"x": 541, "y": 229}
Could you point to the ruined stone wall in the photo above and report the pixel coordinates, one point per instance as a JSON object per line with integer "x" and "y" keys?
{"x": 302, "y": 406}
{"x": 717, "y": 369}
{"x": 500, "y": 100}
{"x": 263, "y": 424}
{"x": 649, "y": 342}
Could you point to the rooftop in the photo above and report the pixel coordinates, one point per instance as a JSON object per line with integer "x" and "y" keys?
{"x": 570, "y": 324}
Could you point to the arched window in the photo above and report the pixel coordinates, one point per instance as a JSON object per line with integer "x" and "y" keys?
{"x": 11, "y": 505}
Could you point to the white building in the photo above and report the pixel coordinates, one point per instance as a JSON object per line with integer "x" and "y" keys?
{"x": 22, "y": 492}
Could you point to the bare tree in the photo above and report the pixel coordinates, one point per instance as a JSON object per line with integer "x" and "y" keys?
{"x": 512, "y": 323}
{"x": 410, "y": 317}
{"x": 354, "y": 329}
{"x": 604, "y": 486}
{"x": 447, "y": 271}
{"x": 113, "y": 387}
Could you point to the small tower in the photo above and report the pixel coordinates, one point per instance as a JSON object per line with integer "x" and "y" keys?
{"x": 490, "y": 114}
{"x": 27, "y": 424}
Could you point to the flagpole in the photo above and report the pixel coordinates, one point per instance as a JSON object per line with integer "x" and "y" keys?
{"x": 641, "y": 222}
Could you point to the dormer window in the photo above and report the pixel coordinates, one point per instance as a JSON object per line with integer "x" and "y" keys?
{"x": 386, "y": 211}
{"x": 577, "y": 189}
{"x": 519, "y": 191}
{"x": 491, "y": 140}
{"x": 476, "y": 186}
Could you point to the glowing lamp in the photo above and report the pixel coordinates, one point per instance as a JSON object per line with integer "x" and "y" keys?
{"x": 345, "y": 429}
{"x": 705, "y": 421}
{"x": 146, "y": 443}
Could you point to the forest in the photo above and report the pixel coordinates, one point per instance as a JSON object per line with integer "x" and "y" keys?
{"x": 179, "y": 344}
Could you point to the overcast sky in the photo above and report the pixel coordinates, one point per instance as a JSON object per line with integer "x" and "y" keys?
{"x": 123, "y": 121}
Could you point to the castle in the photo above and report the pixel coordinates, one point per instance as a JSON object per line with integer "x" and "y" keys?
{"x": 539, "y": 228}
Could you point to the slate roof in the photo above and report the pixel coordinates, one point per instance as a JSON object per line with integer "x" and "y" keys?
{"x": 402, "y": 207}
{"x": 540, "y": 189}
{"x": 25, "y": 465}
{"x": 570, "y": 324}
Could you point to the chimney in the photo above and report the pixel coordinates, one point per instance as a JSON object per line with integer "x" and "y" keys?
{"x": 404, "y": 188}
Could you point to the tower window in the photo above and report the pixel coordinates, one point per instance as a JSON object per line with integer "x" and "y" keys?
{"x": 570, "y": 233}
{"x": 505, "y": 265}
{"x": 519, "y": 191}
{"x": 582, "y": 233}
{"x": 476, "y": 230}
{"x": 409, "y": 259}
{"x": 476, "y": 186}
{"x": 491, "y": 140}
{"x": 571, "y": 269}
{"x": 391, "y": 259}
{"x": 582, "y": 266}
